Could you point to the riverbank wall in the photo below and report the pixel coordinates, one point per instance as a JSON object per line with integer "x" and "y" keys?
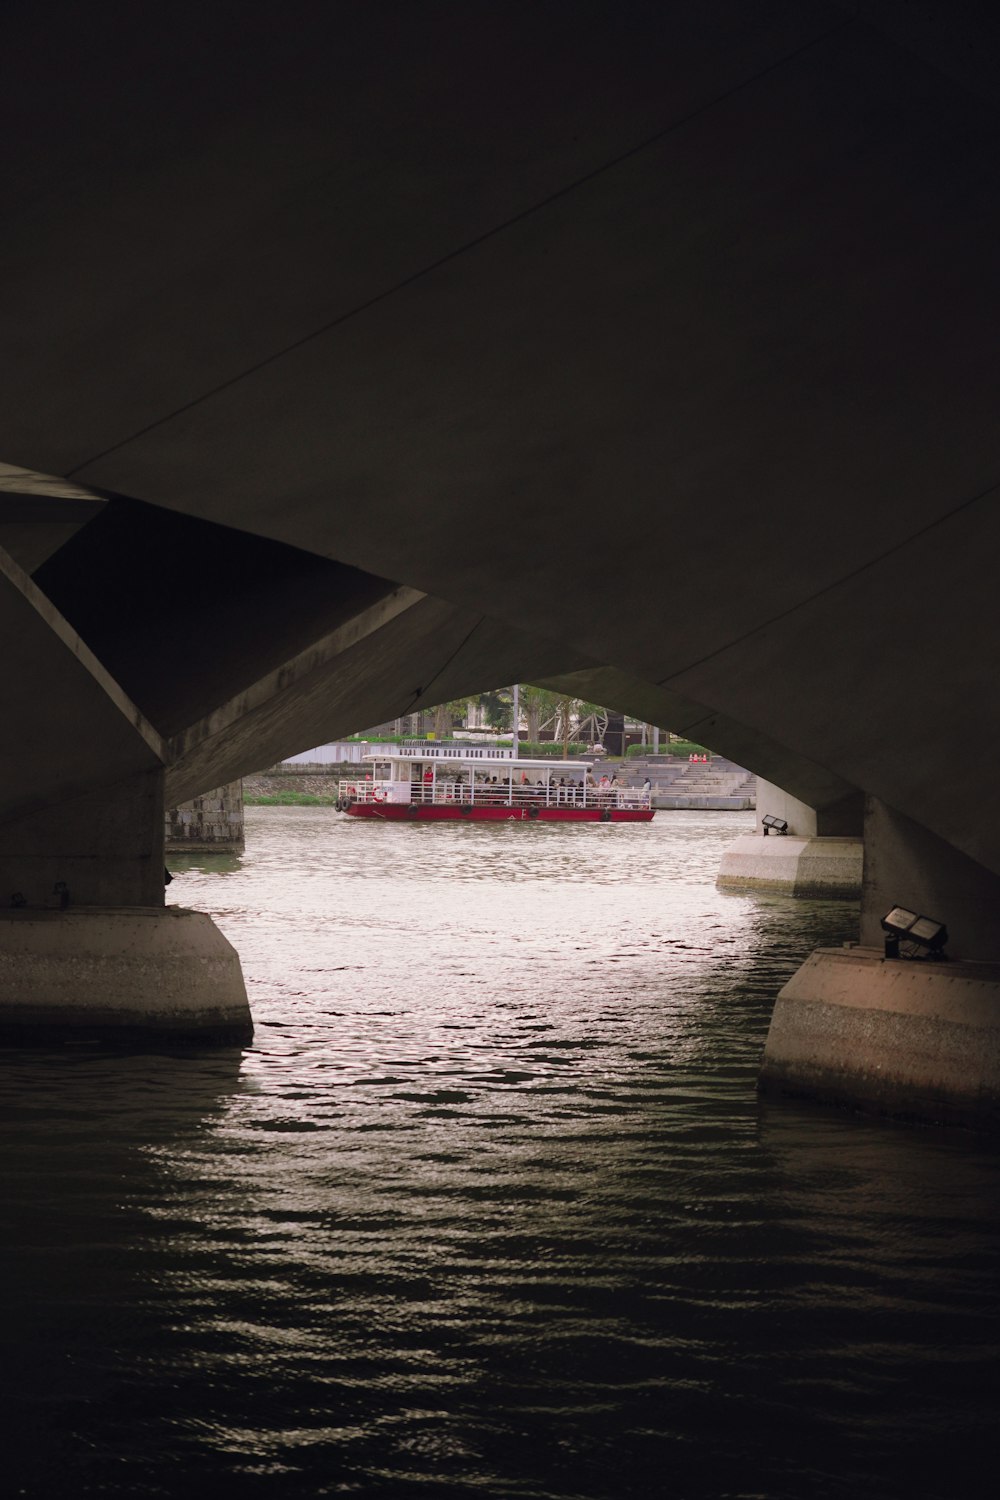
{"x": 210, "y": 824}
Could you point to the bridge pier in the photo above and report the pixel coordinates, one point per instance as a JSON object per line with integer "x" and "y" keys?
{"x": 915, "y": 1038}
{"x": 119, "y": 974}
{"x": 820, "y": 855}
{"x": 87, "y": 946}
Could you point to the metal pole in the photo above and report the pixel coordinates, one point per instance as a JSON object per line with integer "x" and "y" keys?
{"x": 517, "y": 714}
{"x": 656, "y": 740}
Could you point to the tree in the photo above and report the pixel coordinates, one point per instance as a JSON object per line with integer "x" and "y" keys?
{"x": 498, "y": 709}
{"x": 446, "y": 715}
{"x": 538, "y": 705}
{"x": 566, "y": 710}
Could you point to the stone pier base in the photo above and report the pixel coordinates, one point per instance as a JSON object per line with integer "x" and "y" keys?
{"x": 117, "y": 973}
{"x": 210, "y": 824}
{"x": 917, "y": 1040}
{"x": 791, "y": 866}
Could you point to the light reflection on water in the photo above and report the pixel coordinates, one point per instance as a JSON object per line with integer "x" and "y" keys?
{"x": 490, "y": 1207}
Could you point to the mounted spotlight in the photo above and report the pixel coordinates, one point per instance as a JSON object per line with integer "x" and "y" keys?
{"x": 902, "y": 926}
{"x": 772, "y": 824}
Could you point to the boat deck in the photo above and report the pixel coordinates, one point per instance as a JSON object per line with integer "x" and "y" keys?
{"x": 435, "y": 783}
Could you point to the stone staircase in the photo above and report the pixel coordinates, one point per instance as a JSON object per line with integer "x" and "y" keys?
{"x": 716, "y": 785}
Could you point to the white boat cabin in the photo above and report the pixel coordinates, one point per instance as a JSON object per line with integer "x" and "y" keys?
{"x": 484, "y": 775}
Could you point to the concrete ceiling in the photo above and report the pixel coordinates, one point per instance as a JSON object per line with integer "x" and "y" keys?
{"x": 665, "y": 331}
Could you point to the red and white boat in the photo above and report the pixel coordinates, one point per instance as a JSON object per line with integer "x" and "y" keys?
{"x": 485, "y": 784}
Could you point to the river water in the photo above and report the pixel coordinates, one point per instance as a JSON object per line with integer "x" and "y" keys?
{"x": 490, "y": 1207}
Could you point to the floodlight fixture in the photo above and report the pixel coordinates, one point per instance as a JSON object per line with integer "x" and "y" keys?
{"x": 771, "y": 824}
{"x": 903, "y": 926}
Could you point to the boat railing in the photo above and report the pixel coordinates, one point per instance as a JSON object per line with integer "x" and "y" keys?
{"x": 497, "y": 793}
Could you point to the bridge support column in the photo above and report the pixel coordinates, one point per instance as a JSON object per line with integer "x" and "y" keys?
{"x": 87, "y": 946}
{"x": 908, "y": 1037}
{"x": 820, "y": 855}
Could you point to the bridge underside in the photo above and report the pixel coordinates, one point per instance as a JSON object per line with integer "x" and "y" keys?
{"x": 365, "y": 356}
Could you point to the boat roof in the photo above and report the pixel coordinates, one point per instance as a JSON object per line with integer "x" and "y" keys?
{"x": 481, "y": 757}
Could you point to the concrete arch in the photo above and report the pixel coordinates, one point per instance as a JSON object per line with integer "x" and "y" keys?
{"x": 303, "y": 649}
{"x": 681, "y": 361}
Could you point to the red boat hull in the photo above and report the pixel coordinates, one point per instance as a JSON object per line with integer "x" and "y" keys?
{"x": 404, "y": 812}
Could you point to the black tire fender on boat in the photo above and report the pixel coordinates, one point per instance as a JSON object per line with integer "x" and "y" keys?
{"x": 533, "y": 811}
{"x": 605, "y": 815}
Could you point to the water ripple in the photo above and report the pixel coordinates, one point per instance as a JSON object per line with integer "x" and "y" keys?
{"x": 490, "y": 1208}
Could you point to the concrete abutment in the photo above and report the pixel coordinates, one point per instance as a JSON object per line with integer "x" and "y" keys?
{"x": 87, "y": 946}
{"x": 820, "y": 854}
{"x": 918, "y": 1041}
{"x": 814, "y": 868}
{"x": 916, "y": 1037}
{"x": 115, "y": 973}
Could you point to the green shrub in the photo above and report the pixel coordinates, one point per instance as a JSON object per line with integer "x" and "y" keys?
{"x": 550, "y": 749}
{"x": 289, "y": 799}
{"x": 674, "y": 747}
